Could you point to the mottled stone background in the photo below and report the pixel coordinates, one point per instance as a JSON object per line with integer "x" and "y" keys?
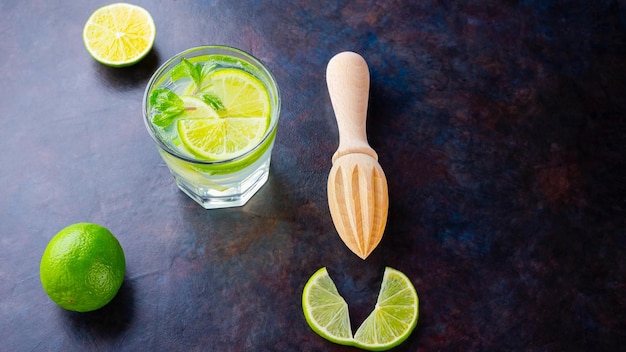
{"x": 501, "y": 126}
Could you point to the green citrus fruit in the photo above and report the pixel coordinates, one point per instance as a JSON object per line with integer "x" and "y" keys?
{"x": 390, "y": 323}
{"x": 325, "y": 310}
{"x": 119, "y": 34}
{"x": 242, "y": 94}
{"x": 242, "y": 123}
{"x": 83, "y": 267}
{"x": 394, "y": 316}
{"x": 195, "y": 108}
{"x": 223, "y": 138}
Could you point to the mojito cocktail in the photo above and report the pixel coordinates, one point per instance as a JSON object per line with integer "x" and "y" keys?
{"x": 213, "y": 113}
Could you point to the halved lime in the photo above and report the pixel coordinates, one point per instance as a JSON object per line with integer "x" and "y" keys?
{"x": 394, "y": 317}
{"x": 119, "y": 34}
{"x": 325, "y": 310}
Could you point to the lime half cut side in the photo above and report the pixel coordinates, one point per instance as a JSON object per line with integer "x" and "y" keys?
{"x": 394, "y": 317}
{"x": 325, "y": 310}
{"x": 119, "y": 34}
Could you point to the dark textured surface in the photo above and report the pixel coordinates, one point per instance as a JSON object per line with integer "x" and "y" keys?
{"x": 501, "y": 126}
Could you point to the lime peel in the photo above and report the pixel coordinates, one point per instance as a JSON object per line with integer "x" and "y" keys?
{"x": 82, "y": 267}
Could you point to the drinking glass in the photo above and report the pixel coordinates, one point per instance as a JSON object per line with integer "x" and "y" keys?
{"x": 224, "y": 183}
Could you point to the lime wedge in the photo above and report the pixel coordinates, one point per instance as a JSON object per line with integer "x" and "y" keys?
{"x": 325, "y": 310}
{"x": 394, "y": 317}
{"x": 119, "y": 34}
{"x": 392, "y": 321}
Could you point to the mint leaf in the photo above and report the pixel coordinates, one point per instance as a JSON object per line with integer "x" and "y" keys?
{"x": 168, "y": 104}
{"x": 207, "y": 69}
{"x": 185, "y": 69}
{"x": 213, "y": 101}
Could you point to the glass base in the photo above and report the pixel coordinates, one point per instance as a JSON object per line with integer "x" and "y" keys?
{"x": 237, "y": 195}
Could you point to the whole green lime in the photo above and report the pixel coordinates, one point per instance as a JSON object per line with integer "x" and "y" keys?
{"x": 83, "y": 267}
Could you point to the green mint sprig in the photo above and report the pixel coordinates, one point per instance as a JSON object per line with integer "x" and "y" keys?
{"x": 213, "y": 101}
{"x": 169, "y": 105}
{"x": 185, "y": 69}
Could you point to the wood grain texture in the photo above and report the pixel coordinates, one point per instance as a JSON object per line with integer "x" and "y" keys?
{"x": 357, "y": 187}
{"x": 358, "y": 201}
{"x": 348, "y": 81}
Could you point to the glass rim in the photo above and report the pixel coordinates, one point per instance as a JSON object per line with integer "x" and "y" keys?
{"x": 251, "y": 59}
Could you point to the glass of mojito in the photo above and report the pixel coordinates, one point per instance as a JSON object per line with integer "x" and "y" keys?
{"x": 213, "y": 113}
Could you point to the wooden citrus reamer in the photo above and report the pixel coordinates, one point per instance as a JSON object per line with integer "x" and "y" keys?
{"x": 357, "y": 188}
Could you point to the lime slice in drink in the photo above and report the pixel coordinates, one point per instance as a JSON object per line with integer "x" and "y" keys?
{"x": 221, "y": 138}
{"x": 394, "y": 317}
{"x": 325, "y": 310}
{"x": 119, "y": 34}
{"x": 196, "y": 108}
{"x": 242, "y": 123}
{"x": 242, "y": 94}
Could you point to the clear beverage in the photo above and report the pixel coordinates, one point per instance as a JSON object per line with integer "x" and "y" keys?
{"x": 213, "y": 113}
